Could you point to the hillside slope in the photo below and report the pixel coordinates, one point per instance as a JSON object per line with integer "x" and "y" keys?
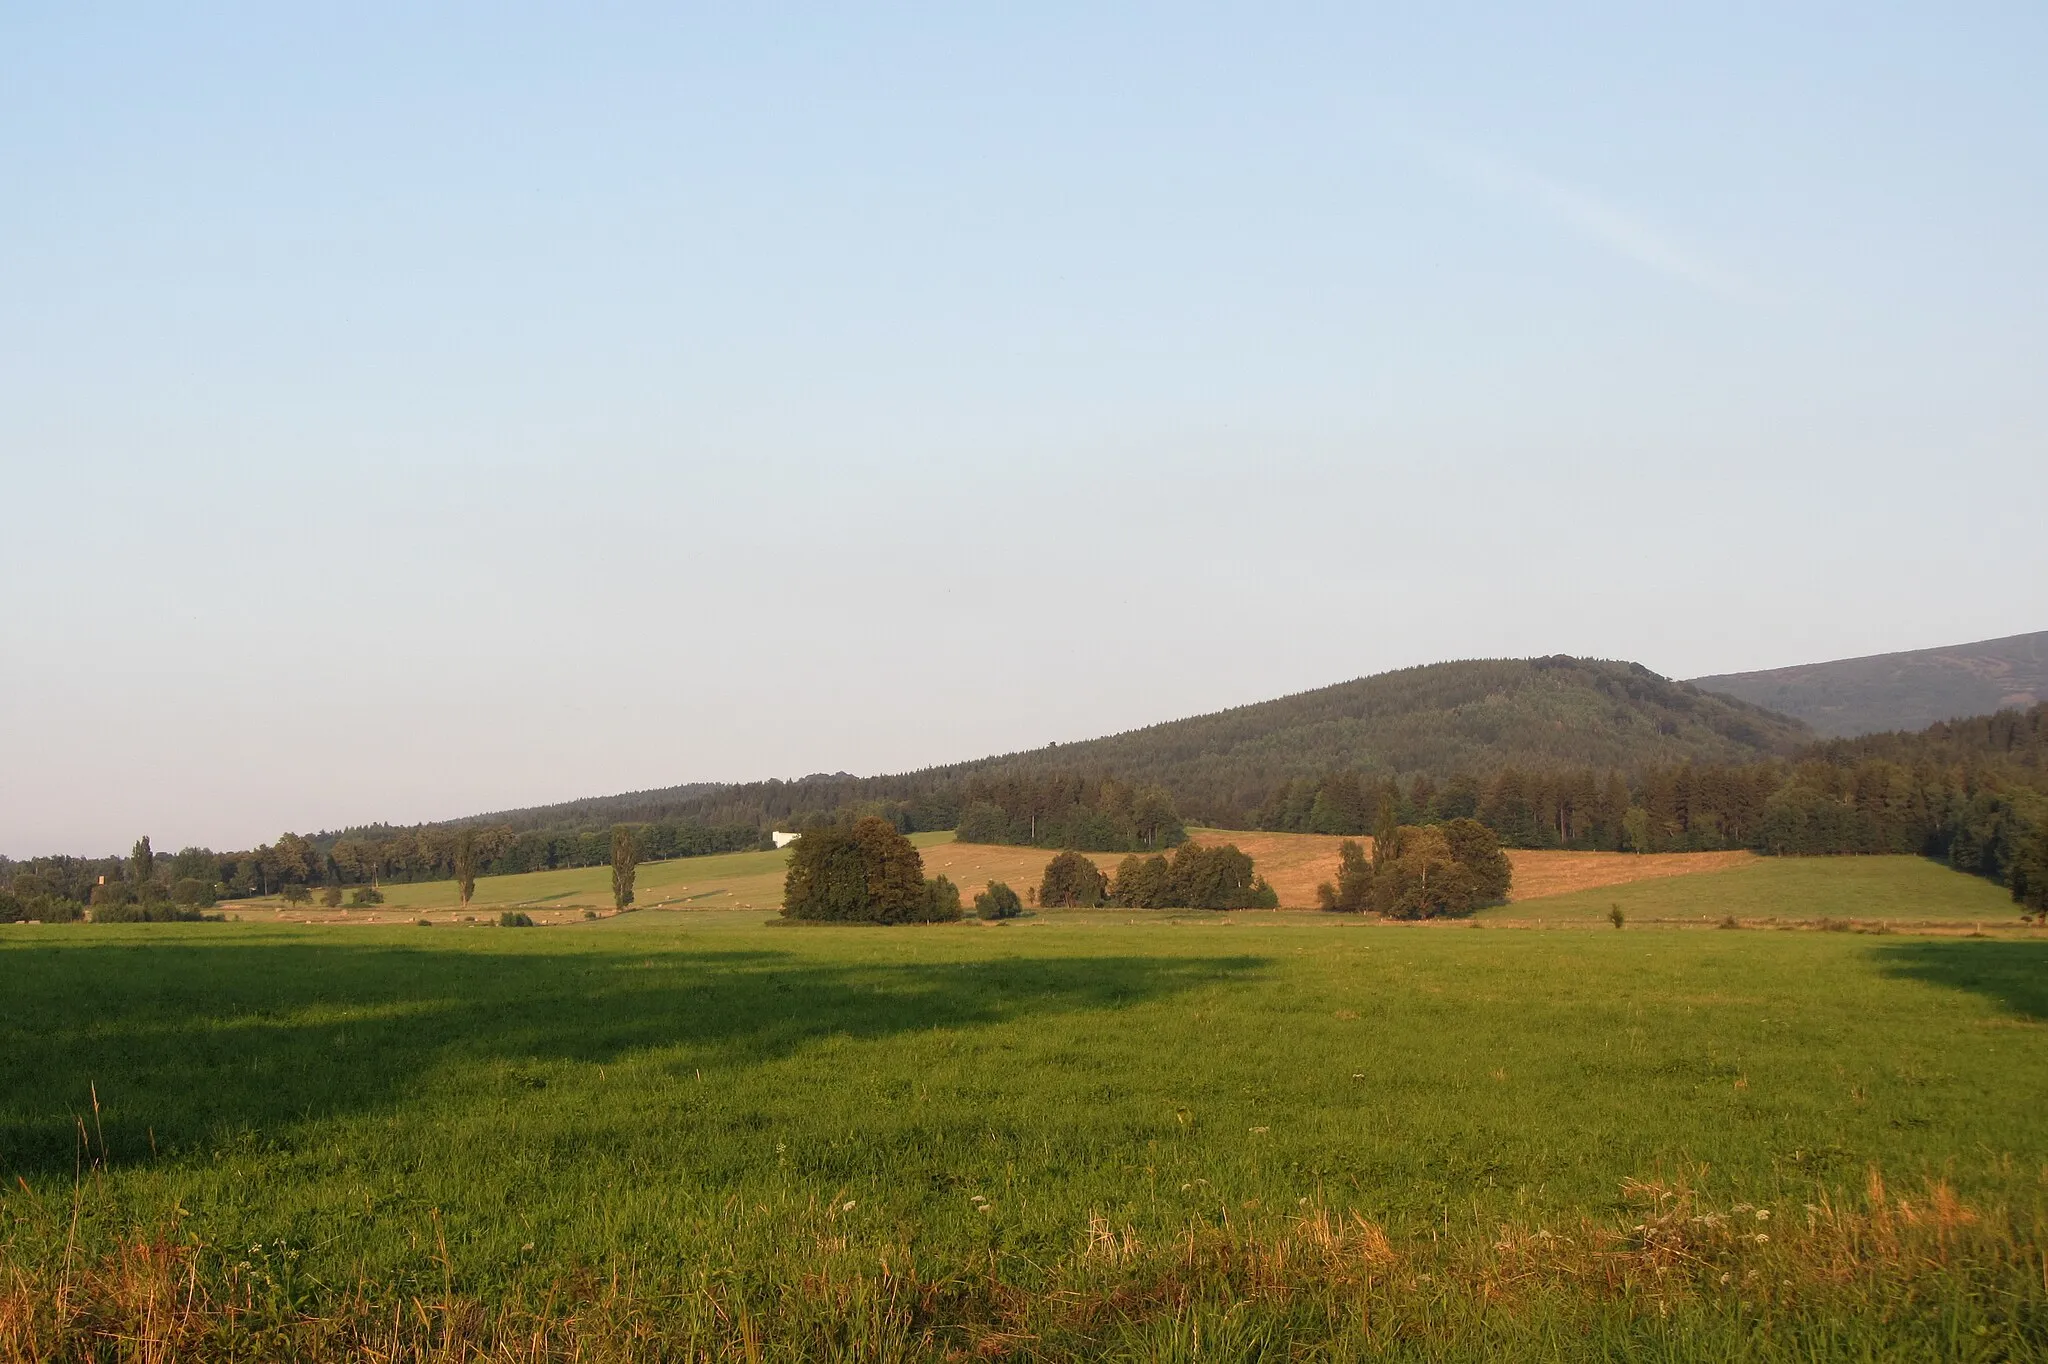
{"x": 1472, "y": 717}
{"x": 1902, "y": 691}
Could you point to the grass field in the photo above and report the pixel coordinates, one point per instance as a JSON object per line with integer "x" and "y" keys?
{"x": 1846, "y": 890}
{"x": 1113, "y": 1134}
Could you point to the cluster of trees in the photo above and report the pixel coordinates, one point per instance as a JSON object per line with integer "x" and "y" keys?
{"x": 1425, "y": 871}
{"x": 301, "y": 867}
{"x": 863, "y": 872}
{"x": 1064, "y": 811}
{"x": 1193, "y": 878}
{"x": 868, "y": 872}
{"x": 144, "y": 887}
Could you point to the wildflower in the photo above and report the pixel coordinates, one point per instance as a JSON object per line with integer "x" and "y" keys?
{"x": 847, "y": 1206}
{"x": 1763, "y": 1214}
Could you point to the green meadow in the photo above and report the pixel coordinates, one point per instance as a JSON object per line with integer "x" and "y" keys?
{"x": 716, "y": 881}
{"x": 1899, "y": 890}
{"x": 699, "y": 1135}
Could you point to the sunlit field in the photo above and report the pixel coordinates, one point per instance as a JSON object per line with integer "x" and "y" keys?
{"x": 1293, "y": 863}
{"x": 1103, "y": 1134}
{"x": 1847, "y": 891}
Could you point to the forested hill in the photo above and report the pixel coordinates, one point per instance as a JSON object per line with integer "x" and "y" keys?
{"x": 1903, "y": 691}
{"x": 596, "y": 812}
{"x": 1468, "y": 718}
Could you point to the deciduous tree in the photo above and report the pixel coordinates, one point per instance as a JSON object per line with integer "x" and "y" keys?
{"x": 625, "y": 865}
{"x": 1072, "y": 881}
{"x": 998, "y": 902}
{"x": 465, "y": 865}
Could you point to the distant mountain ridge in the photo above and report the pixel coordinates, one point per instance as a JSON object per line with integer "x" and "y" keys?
{"x": 1901, "y": 691}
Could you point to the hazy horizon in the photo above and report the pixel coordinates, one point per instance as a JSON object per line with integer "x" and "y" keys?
{"x": 405, "y": 416}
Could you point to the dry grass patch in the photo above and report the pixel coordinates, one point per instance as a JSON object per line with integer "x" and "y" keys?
{"x": 1542, "y": 874}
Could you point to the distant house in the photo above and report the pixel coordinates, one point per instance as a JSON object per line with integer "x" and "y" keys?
{"x": 782, "y": 840}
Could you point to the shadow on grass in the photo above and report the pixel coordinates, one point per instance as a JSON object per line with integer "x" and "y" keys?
{"x": 190, "y": 1043}
{"x": 2013, "y": 975}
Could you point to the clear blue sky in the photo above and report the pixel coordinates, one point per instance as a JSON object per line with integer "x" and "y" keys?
{"x": 407, "y": 411}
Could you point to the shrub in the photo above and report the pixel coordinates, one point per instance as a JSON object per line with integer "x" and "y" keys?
{"x": 154, "y": 912}
{"x": 192, "y": 891}
{"x": 1615, "y": 916}
{"x": 331, "y": 897}
{"x": 19, "y": 906}
{"x": 998, "y": 902}
{"x": 362, "y": 897}
{"x": 513, "y": 918}
{"x": 295, "y": 894}
{"x": 941, "y": 901}
{"x": 1072, "y": 881}
{"x": 863, "y": 873}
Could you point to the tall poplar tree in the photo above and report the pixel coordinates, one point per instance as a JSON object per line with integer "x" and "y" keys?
{"x": 625, "y": 862}
{"x": 465, "y": 865}
{"x": 142, "y": 865}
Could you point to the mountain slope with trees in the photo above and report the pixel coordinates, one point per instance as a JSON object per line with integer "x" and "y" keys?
{"x": 1902, "y": 691}
{"x": 1470, "y": 718}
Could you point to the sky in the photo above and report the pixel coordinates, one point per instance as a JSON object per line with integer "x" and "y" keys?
{"x": 408, "y": 411}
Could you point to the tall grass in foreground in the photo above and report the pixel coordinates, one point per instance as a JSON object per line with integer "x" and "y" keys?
{"x": 1886, "y": 1275}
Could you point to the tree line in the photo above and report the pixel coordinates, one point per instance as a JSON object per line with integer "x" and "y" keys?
{"x": 1970, "y": 791}
{"x": 1973, "y": 792}
{"x": 299, "y": 867}
{"x": 1060, "y": 810}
